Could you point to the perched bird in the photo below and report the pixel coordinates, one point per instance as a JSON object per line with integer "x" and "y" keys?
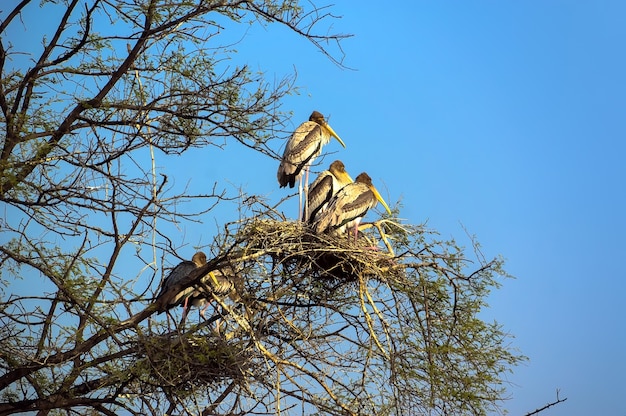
{"x": 304, "y": 145}
{"x": 349, "y": 206}
{"x": 199, "y": 294}
{"x": 323, "y": 188}
{"x": 190, "y": 295}
{"x": 224, "y": 282}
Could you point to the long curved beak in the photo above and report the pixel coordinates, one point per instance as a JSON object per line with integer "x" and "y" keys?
{"x": 380, "y": 199}
{"x": 335, "y": 135}
{"x": 344, "y": 177}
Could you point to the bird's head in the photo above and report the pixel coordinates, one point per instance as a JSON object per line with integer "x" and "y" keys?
{"x": 199, "y": 259}
{"x": 338, "y": 169}
{"x": 365, "y": 179}
{"x": 318, "y": 118}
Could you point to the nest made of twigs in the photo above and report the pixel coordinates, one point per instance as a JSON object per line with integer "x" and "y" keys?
{"x": 182, "y": 361}
{"x": 338, "y": 258}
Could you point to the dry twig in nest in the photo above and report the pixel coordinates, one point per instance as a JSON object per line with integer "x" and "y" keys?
{"x": 336, "y": 257}
{"x": 180, "y": 361}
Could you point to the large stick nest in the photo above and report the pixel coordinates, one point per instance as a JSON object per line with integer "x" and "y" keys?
{"x": 331, "y": 257}
{"x": 183, "y": 361}
{"x": 304, "y": 263}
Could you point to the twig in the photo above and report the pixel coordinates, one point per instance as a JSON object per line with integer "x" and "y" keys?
{"x": 558, "y": 400}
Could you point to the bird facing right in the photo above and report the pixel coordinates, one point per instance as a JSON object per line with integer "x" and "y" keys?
{"x": 349, "y": 206}
{"x": 324, "y": 188}
{"x": 304, "y": 145}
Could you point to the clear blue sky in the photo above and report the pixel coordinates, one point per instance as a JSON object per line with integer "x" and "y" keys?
{"x": 508, "y": 119}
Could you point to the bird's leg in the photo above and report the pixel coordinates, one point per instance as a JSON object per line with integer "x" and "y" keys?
{"x": 185, "y": 310}
{"x": 356, "y": 234}
{"x": 182, "y": 320}
{"x": 299, "y": 196}
{"x": 204, "y": 309}
{"x": 306, "y": 190}
{"x": 218, "y": 321}
{"x": 356, "y": 230}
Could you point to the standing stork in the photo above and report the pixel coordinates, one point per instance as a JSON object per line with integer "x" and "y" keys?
{"x": 349, "y": 206}
{"x": 323, "y": 188}
{"x": 304, "y": 145}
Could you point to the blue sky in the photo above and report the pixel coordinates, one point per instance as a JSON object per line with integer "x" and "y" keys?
{"x": 504, "y": 118}
{"x": 508, "y": 119}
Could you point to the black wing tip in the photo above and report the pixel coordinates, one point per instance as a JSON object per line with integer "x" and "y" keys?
{"x": 285, "y": 179}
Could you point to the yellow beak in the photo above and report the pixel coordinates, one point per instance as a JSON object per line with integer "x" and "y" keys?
{"x": 380, "y": 199}
{"x": 335, "y": 135}
{"x": 344, "y": 177}
{"x": 212, "y": 276}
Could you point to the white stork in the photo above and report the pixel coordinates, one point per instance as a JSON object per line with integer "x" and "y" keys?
{"x": 324, "y": 187}
{"x": 349, "y": 206}
{"x": 304, "y": 145}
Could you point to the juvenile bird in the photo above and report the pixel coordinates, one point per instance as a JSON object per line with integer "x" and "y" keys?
{"x": 348, "y": 207}
{"x": 304, "y": 145}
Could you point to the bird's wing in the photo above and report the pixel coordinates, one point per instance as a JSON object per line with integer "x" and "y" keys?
{"x": 355, "y": 208}
{"x": 189, "y": 292}
{"x": 304, "y": 144}
{"x": 176, "y": 275}
{"x": 336, "y": 214}
{"x": 215, "y": 282}
{"x": 320, "y": 192}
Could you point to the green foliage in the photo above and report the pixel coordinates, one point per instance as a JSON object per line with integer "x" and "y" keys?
{"x": 325, "y": 325}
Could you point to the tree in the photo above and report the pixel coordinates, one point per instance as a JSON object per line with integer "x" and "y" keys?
{"x": 324, "y": 325}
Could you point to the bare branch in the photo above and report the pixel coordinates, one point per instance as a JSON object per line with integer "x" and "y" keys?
{"x": 547, "y": 406}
